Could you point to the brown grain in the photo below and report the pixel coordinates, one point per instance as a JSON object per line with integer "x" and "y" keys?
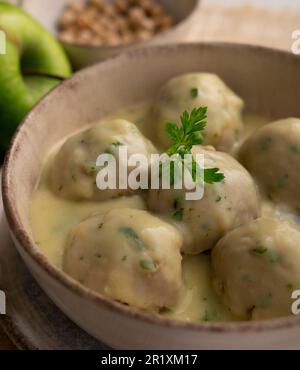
{"x": 97, "y": 22}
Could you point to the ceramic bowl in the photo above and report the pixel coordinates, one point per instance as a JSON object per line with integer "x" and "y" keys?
{"x": 184, "y": 12}
{"x": 268, "y": 81}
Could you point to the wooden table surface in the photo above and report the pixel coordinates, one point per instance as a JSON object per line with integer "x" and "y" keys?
{"x": 241, "y": 23}
{"x": 5, "y": 343}
{"x": 270, "y": 27}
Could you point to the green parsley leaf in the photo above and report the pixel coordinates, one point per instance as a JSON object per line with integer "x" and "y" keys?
{"x": 182, "y": 137}
{"x": 185, "y": 136}
{"x": 173, "y": 131}
{"x": 212, "y": 175}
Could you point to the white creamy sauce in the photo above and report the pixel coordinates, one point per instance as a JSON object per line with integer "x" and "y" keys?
{"x": 52, "y": 218}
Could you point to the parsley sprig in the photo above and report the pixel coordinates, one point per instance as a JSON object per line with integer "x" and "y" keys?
{"x": 188, "y": 134}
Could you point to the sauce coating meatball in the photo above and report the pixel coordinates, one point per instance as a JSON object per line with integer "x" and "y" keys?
{"x": 195, "y": 90}
{"x": 128, "y": 255}
{"x": 272, "y": 155}
{"x": 256, "y": 268}
{"x": 73, "y": 173}
{"x": 225, "y": 205}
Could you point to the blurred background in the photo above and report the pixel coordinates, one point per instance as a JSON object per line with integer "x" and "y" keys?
{"x": 95, "y": 33}
{"x": 94, "y": 30}
{"x": 263, "y": 22}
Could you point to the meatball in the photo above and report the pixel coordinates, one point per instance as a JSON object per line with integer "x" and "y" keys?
{"x": 225, "y": 205}
{"x": 194, "y": 90}
{"x": 73, "y": 173}
{"x": 272, "y": 155}
{"x": 256, "y": 268}
{"x": 128, "y": 255}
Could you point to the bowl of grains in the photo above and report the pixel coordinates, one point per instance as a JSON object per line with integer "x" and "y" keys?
{"x": 94, "y": 30}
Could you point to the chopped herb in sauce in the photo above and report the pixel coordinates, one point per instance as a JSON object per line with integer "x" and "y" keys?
{"x": 194, "y": 93}
{"x": 290, "y": 287}
{"x": 295, "y": 148}
{"x": 148, "y": 265}
{"x": 177, "y": 203}
{"x": 283, "y": 181}
{"x": 124, "y": 258}
{"x": 132, "y": 237}
{"x": 260, "y": 250}
{"x": 271, "y": 255}
{"x": 178, "y": 214}
{"x": 266, "y": 143}
{"x": 100, "y": 226}
{"x": 218, "y": 199}
{"x": 117, "y": 143}
{"x": 92, "y": 170}
{"x": 113, "y": 147}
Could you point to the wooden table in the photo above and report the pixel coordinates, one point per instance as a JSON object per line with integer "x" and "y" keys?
{"x": 248, "y": 24}
{"x": 241, "y": 23}
{"x": 5, "y": 343}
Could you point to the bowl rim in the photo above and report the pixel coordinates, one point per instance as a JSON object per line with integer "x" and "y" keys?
{"x": 23, "y": 239}
{"x": 184, "y": 22}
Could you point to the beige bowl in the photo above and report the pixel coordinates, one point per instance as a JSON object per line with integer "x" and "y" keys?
{"x": 269, "y": 82}
{"x": 184, "y": 12}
